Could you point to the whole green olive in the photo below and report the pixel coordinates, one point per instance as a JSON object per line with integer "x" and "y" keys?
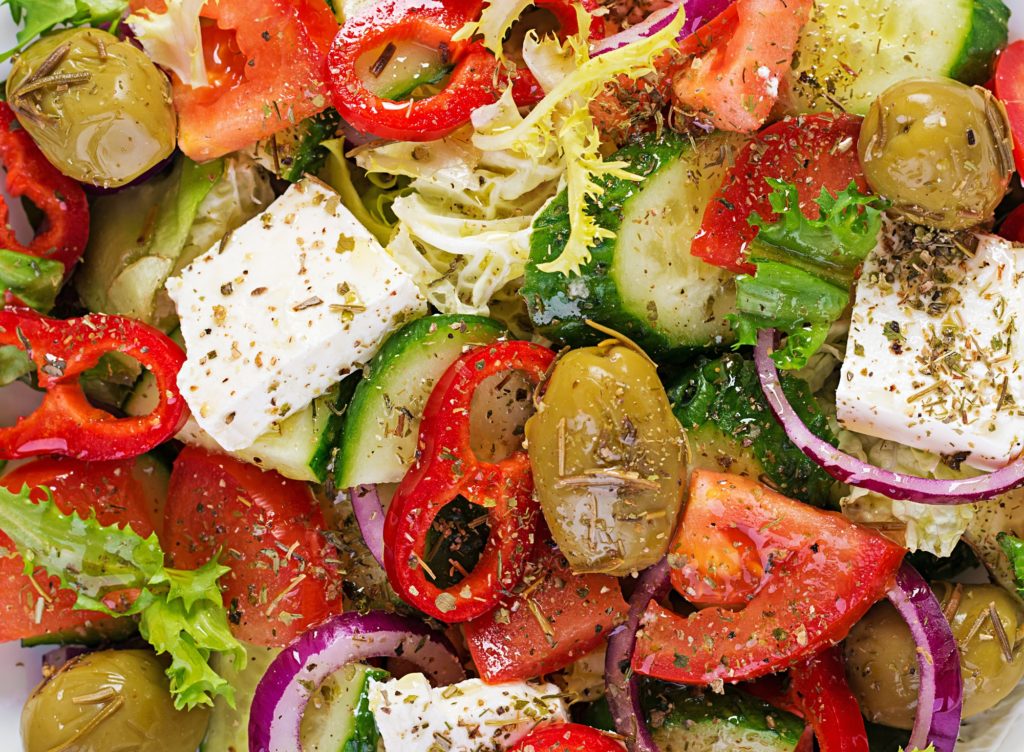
{"x": 881, "y": 657}
{"x": 110, "y": 700}
{"x": 608, "y": 459}
{"x": 939, "y": 150}
{"x": 98, "y": 108}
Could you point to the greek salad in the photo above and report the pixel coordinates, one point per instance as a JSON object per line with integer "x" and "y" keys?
{"x": 514, "y": 376}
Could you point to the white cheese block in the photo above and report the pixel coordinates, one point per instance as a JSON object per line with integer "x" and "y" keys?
{"x": 934, "y": 360}
{"x": 281, "y": 310}
{"x": 467, "y": 717}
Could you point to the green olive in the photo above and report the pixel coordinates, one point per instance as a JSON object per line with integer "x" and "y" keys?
{"x": 608, "y": 459}
{"x": 99, "y": 109}
{"x": 939, "y": 150}
{"x": 110, "y": 700}
{"x": 882, "y": 659}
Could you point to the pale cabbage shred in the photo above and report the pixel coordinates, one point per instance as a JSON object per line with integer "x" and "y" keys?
{"x": 464, "y": 228}
{"x": 173, "y": 39}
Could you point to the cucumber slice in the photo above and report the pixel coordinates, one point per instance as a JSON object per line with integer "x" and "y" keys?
{"x": 692, "y": 721}
{"x": 852, "y": 50}
{"x": 301, "y": 448}
{"x": 382, "y": 423}
{"x": 643, "y": 282}
{"x": 337, "y": 719}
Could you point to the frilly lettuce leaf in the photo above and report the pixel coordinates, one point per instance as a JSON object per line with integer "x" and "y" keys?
{"x": 562, "y": 121}
{"x": 805, "y": 268}
{"x": 464, "y": 221}
{"x": 173, "y": 39}
{"x": 181, "y": 612}
{"x": 495, "y": 20}
{"x": 35, "y": 17}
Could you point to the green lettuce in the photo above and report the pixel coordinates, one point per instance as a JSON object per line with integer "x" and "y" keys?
{"x": 1013, "y": 547}
{"x": 35, "y": 281}
{"x": 181, "y": 613}
{"x": 805, "y": 268}
{"x": 36, "y": 17}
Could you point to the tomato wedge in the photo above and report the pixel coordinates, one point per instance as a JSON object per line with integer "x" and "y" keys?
{"x": 801, "y": 578}
{"x": 735, "y": 84}
{"x": 122, "y": 492}
{"x": 267, "y": 529}
{"x": 1012, "y": 227}
{"x": 812, "y": 152}
{"x": 265, "y": 61}
{"x": 1009, "y": 88}
{"x": 567, "y": 737}
{"x": 555, "y": 618}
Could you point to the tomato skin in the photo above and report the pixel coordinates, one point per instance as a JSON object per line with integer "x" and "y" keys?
{"x": 267, "y": 529}
{"x": 567, "y": 737}
{"x": 580, "y": 610}
{"x": 1009, "y": 88}
{"x": 115, "y": 491}
{"x": 822, "y": 574}
{"x": 812, "y": 152}
{"x": 270, "y": 74}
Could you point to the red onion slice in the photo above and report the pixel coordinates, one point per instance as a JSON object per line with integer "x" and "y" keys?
{"x": 698, "y": 12}
{"x": 285, "y": 689}
{"x": 848, "y": 469}
{"x": 369, "y": 514}
{"x": 621, "y": 689}
{"x": 940, "y": 698}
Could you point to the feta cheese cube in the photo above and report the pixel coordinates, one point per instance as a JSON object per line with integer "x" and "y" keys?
{"x": 467, "y": 717}
{"x": 281, "y": 309}
{"x": 933, "y": 359}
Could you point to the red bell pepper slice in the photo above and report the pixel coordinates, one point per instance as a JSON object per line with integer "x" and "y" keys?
{"x": 555, "y": 617}
{"x": 448, "y": 468}
{"x": 471, "y": 83}
{"x": 567, "y": 737}
{"x": 820, "y": 690}
{"x": 817, "y": 691}
{"x": 65, "y": 423}
{"x": 60, "y": 198}
{"x": 801, "y": 577}
{"x": 1012, "y": 227}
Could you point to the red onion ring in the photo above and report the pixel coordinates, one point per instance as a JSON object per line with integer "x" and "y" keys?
{"x": 369, "y": 514}
{"x": 940, "y": 698}
{"x": 698, "y": 12}
{"x": 622, "y": 690}
{"x": 848, "y": 469}
{"x": 285, "y": 689}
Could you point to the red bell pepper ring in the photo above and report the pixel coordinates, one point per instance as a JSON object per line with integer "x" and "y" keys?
{"x": 446, "y": 469}
{"x": 801, "y": 578}
{"x": 59, "y": 197}
{"x": 471, "y": 83}
{"x": 567, "y": 737}
{"x": 65, "y": 423}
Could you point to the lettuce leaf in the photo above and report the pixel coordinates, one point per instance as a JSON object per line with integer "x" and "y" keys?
{"x": 805, "y": 268}
{"x": 181, "y": 612}
{"x": 35, "y": 281}
{"x": 37, "y": 17}
{"x": 173, "y": 39}
{"x": 562, "y": 122}
{"x": 1013, "y": 547}
{"x": 495, "y": 20}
